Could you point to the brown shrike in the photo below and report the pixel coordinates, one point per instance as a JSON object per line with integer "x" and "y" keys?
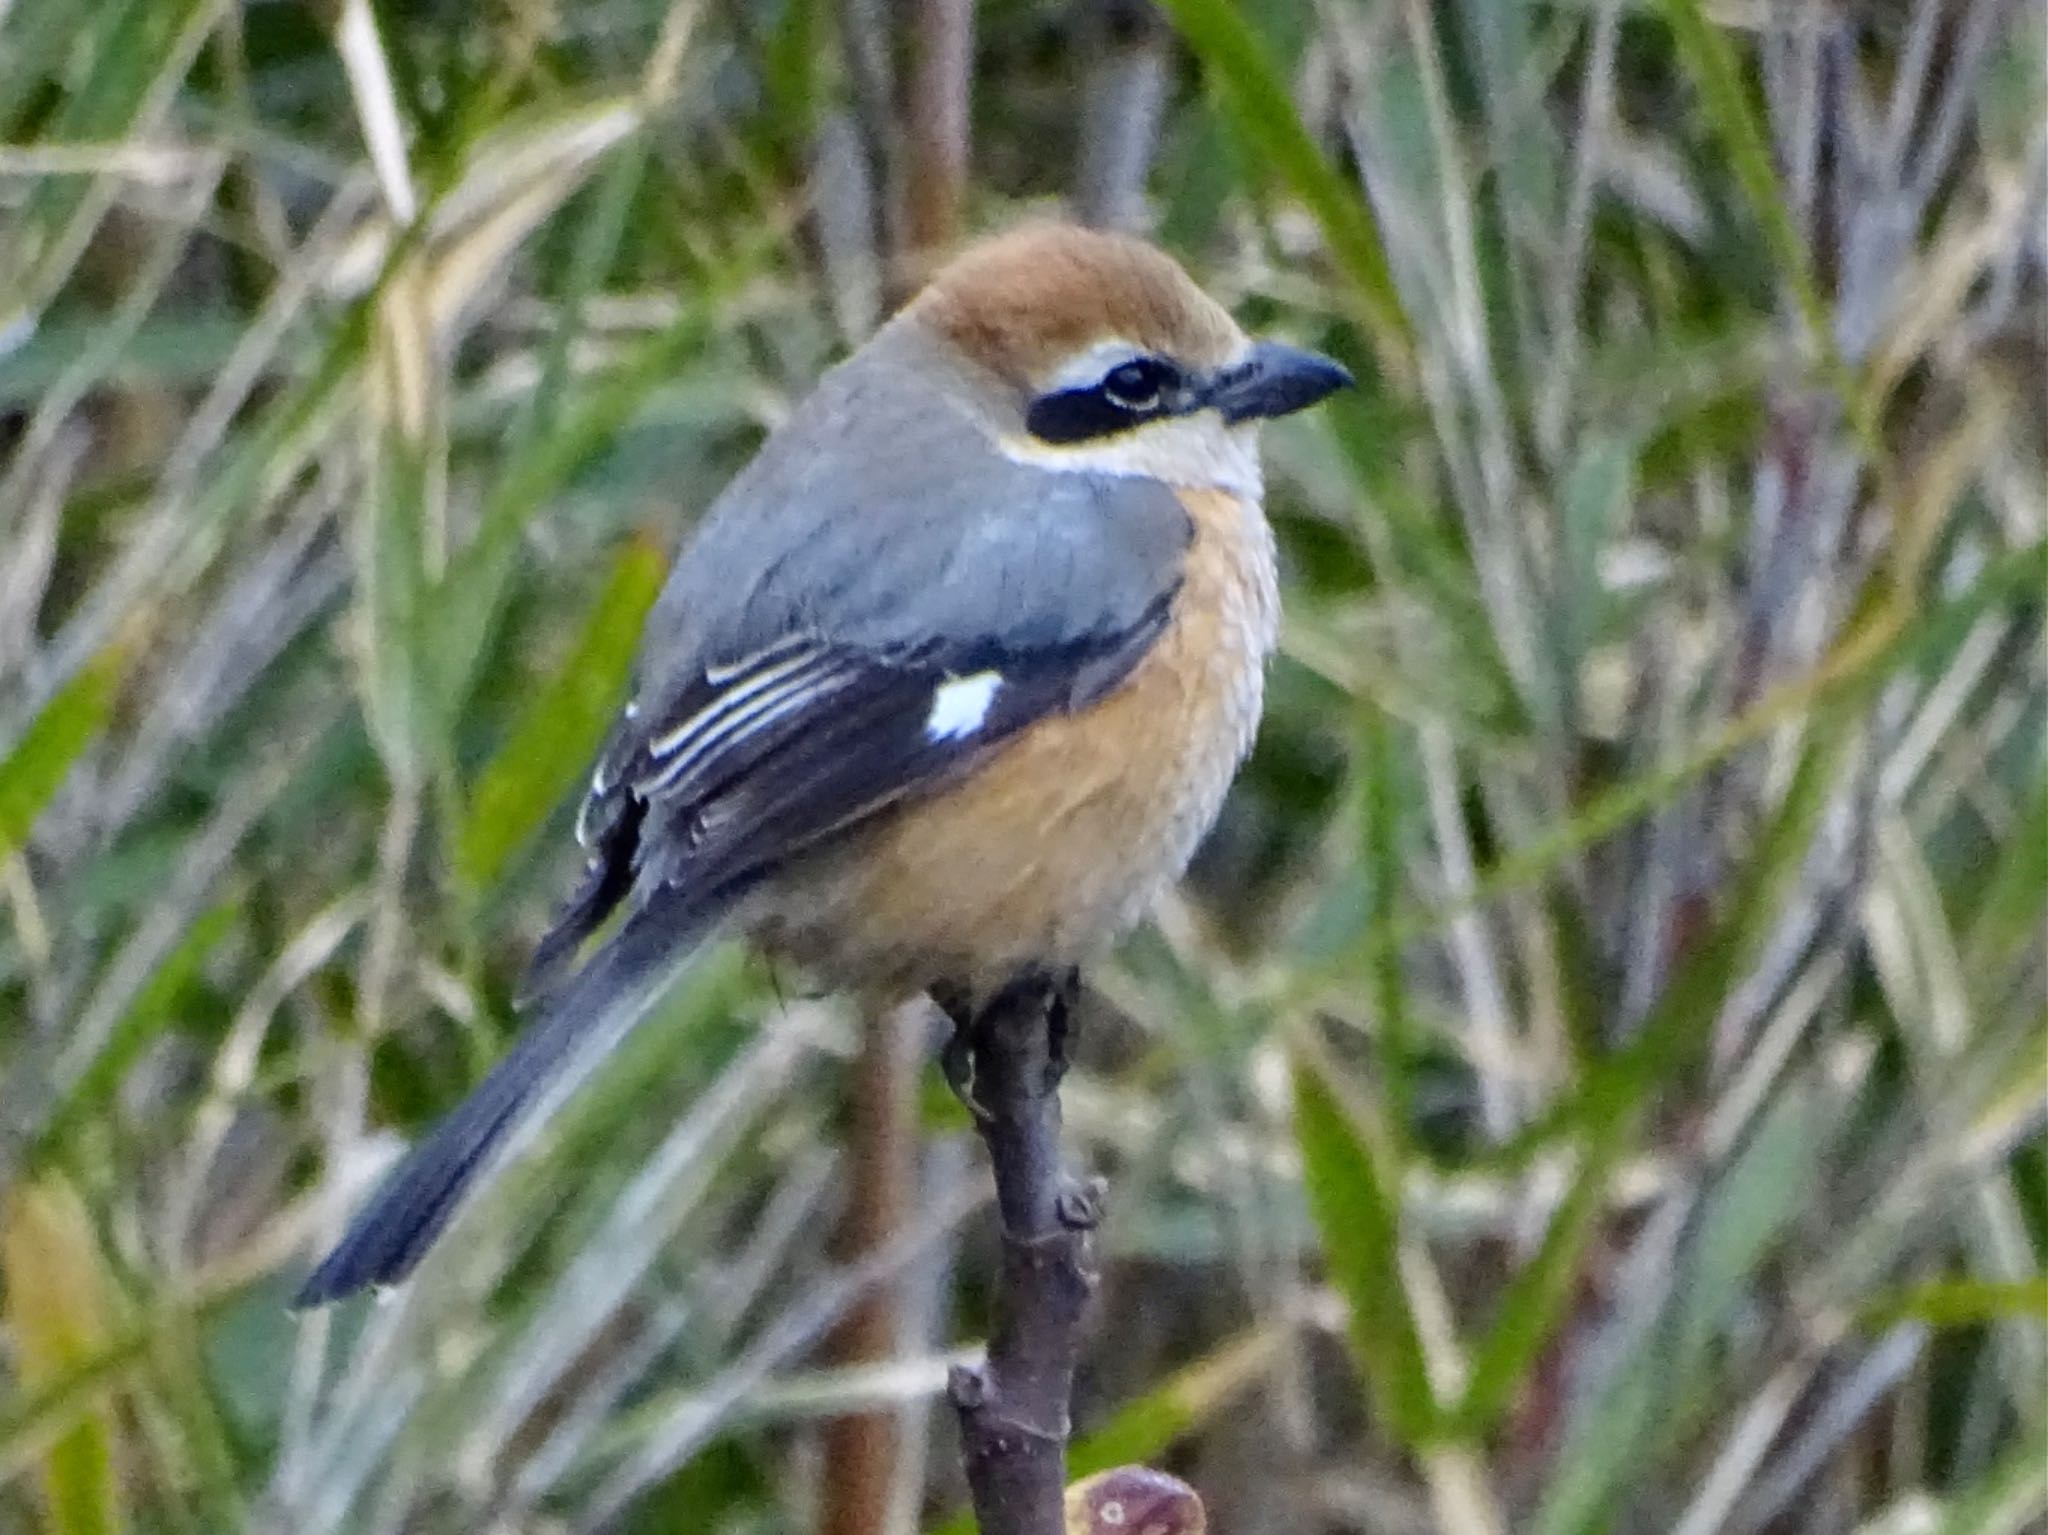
{"x": 946, "y": 686}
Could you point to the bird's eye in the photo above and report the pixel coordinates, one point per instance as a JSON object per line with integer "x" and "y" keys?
{"x": 1140, "y": 383}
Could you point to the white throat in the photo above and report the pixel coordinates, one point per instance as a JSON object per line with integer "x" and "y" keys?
{"x": 1194, "y": 452}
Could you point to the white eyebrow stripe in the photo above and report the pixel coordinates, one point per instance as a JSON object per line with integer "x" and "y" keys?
{"x": 729, "y": 699}
{"x": 960, "y": 705}
{"x": 1086, "y": 369}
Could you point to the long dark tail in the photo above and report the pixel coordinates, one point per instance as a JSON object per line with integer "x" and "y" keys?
{"x": 618, "y": 985}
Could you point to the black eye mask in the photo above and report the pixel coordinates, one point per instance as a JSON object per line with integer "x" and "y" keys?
{"x": 1271, "y": 380}
{"x": 1130, "y": 394}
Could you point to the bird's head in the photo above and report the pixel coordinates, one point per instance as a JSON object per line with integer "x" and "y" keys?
{"x": 1085, "y": 350}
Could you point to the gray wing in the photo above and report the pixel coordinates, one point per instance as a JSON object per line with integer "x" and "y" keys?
{"x": 876, "y": 553}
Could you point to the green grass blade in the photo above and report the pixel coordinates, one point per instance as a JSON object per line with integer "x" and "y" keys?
{"x": 562, "y": 727}
{"x": 57, "y": 1311}
{"x": 1598, "y": 489}
{"x": 35, "y": 769}
{"x": 153, "y": 1011}
{"x": 1355, "y": 1198}
{"x": 596, "y": 250}
{"x": 1960, "y": 1303}
{"x": 1644, "y": 1402}
{"x": 2012, "y": 1497}
{"x": 2007, "y": 915}
{"x": 468, "y": 598}
{"x": 1253, "y": 92}
{"x": 391, "y": 586}
{"x": 1401, "y": 1046}
{"x": 1744, "y": 139}
{"x": 1621, "y": 1087}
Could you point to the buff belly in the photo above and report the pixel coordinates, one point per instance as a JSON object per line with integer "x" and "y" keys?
{"x": 1063, "y": 840}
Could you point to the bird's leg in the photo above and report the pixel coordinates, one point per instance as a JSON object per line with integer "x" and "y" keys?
{"x": 956, "y": 1059}
{"x": 1053, "y": 995}
{"x": 1062, "y": 1007}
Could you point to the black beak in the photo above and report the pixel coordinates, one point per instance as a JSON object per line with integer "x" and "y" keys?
{"x": 1274, "y": 380}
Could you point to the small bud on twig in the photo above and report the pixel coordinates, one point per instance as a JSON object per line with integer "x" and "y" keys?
{"x": 1132, "y": 1500}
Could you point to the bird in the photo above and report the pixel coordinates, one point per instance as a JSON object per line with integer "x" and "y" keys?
{"x": 943, "y": 689}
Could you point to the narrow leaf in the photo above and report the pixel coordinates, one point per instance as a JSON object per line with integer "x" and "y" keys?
{"x": 57, "y": 1315}
{"x": 1597, "y": 489}
{"x": 37, "y": 766}
{"x": 468, "y": 598}
{"x": 1961, "y": 1303}
{"x": 2007, "y": 917}
{"x": 1621, "y": 1087}
{"x": 1251, "y": 89}
{"x": 563, "y": 725}
{"x": 151, "y": 1013}
{"x": 1355, "y": 1200}
{"x": 1739, "y": 127}
{"x": 1642, "y": 1402}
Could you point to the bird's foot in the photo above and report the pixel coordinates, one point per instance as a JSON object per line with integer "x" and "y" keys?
{"x": 956, "y": 1057}
{"x": 1062, "y": 1008}
{"x": 1050, "y": 995}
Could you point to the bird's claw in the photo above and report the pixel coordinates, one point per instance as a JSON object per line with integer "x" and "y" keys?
{"x": 956, "y": 1060}
{"x": 1052, "y": 996}
{"x": 1063, "y": 992}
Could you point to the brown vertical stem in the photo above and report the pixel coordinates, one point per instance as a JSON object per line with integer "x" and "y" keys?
{"x": 935, "y": 102}
{"x": 861, "y": 1449}
{"x": 1013, "y": 1408}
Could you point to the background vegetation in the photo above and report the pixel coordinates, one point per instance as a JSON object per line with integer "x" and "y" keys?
{"x": 1596, "y": 1079}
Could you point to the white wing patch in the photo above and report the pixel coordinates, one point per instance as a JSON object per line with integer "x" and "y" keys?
{"x": 959, "y": 706}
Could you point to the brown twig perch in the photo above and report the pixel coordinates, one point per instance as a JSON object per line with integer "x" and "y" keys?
{"x": 935, "y": 112}
{"x": 1013, "y": 1408}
